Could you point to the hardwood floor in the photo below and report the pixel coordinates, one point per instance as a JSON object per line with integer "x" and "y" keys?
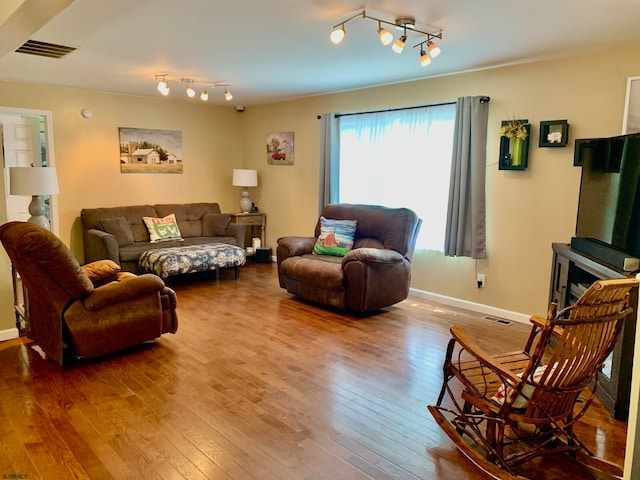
{"x": 256, "y": 385}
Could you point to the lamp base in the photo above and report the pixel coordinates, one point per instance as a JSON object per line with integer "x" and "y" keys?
{"x": 37, "y": 211}
{"x": 245, "y": 202}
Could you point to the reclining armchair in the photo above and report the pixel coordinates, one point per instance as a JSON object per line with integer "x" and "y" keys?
{"x": 373, "y": 274}
{"x": 84, "y": 311}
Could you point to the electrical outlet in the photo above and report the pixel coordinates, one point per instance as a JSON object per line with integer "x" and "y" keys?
{"x": 480, "y": 279}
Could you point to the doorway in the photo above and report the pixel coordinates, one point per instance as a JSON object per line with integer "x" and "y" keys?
{"x": 27, "y": 140}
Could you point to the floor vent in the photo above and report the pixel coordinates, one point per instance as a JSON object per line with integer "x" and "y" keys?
{"x": 44, "y": 49}
{"x": 501, "y": 321}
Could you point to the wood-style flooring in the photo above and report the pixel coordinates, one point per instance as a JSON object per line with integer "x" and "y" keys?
{"x": 256, "y": 384}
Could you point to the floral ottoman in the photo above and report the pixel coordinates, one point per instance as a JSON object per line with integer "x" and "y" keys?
{"x": 166, "y": 262}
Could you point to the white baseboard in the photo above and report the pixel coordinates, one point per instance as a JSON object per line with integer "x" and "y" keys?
{"x": 9, "y": 334}
{"x": 476, "y": 307}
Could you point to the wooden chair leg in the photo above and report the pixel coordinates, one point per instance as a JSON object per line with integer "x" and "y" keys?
{"x": 491, "y": 439}
{"x": 446, "y": 371}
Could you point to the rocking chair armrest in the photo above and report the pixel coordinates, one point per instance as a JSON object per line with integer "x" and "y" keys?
{"x": 538, "y": 321}
{"x": 542, "y": 322}
{"x": 470, "y": 346}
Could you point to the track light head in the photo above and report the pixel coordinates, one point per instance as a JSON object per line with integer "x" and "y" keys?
{"x": 163, "y": 88}
{"x": 163, "y": 85}
{"x": 424, "y": 58}
{"x": 398, "y": 46}
{"x": 204, "y": 96}
{"x": 337, "y": 34}
{"x": 227, "y": 94}
{"x": 385, "y": 37}
{"x": 434, "y": 50}
{"x": 189, "y": 90}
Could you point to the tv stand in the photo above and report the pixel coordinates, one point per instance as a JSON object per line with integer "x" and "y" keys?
{"x": 571, "y": 274}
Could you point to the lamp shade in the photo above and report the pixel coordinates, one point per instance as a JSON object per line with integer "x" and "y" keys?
{"x": 33, "y": 181}
{"x": 245, "y": 178}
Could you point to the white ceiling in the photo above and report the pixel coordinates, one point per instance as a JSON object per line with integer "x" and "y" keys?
{"x": 270, "y": 51}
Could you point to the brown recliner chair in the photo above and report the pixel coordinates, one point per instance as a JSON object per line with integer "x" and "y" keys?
{"x": 86, "y": 311}
{"x": 376, "y": 273}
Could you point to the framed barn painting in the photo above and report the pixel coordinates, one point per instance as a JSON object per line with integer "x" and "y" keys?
{"x": 144, "y": 150}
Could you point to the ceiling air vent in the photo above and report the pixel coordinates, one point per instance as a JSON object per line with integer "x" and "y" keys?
{"x": 44, "y": 49}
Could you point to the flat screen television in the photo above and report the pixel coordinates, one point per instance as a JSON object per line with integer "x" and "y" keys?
{"x": 609, "y": 204}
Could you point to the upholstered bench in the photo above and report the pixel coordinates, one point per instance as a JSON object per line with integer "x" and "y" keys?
{"x": 166, "y": 262}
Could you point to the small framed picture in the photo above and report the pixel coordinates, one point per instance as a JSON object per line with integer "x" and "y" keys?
{"x": 554, "y": 133}
{"x": 280, "y": 148}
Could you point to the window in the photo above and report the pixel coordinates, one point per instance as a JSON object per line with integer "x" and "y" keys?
{"x": 400, "y": 158}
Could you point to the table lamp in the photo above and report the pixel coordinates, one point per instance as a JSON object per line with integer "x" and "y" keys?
{"x": 34, "y": 181}
{"x": 245, "y": 178}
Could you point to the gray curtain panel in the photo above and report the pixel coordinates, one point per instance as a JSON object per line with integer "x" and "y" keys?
{"x": 329, "y": 159}
{"x": 466, "y": 231}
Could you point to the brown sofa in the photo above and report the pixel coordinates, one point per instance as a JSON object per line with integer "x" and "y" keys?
{"x": 87, "y": 311}
{"x": 120, "y": 234}
{"x": 374, "y": 275}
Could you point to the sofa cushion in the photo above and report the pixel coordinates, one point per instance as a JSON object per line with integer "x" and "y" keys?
{"x": 188, "y": 215}
{"x": 336, "y": 237}
{"x": 215, "y": 224}
{"x": 91, "y": 218}
{"x": 119, "y": 228}
{"x": 163, "y": 229}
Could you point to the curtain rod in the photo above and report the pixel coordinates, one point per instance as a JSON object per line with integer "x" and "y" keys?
{"x": 482, "y": 100}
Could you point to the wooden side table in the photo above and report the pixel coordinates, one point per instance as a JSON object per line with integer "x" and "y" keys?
{"x": 251, "y": 220}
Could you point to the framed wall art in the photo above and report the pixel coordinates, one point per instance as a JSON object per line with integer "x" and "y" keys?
{"x": 631, "y": 119}
{"x": 280, "y": 148}
{"x": 553, "y": 133}
{"x": 514, "y": 144}
{"x": 144, "y": 150}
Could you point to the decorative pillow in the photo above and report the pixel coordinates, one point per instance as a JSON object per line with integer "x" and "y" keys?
{"x": 101, "y": 272}
{"x": 336, "y": 237}
{"x": 163, "y": 229}
{"x": 215, "y": 224}
{"x": 119, "y": 228}
{"x": 523, "y": 399}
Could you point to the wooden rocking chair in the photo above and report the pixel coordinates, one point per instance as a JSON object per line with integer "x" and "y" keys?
{"x": 520, "y": 405}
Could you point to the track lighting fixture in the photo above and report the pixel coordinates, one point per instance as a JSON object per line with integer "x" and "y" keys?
{"x": 163, "y": 86}
{"x": 407, "y": 24}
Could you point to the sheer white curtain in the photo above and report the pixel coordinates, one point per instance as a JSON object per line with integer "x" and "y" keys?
{"x": 400, "y": 158}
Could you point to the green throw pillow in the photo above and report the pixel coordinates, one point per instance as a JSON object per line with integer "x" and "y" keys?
{"x": 163, "y": 229}
{"x": 336, "y": 237}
